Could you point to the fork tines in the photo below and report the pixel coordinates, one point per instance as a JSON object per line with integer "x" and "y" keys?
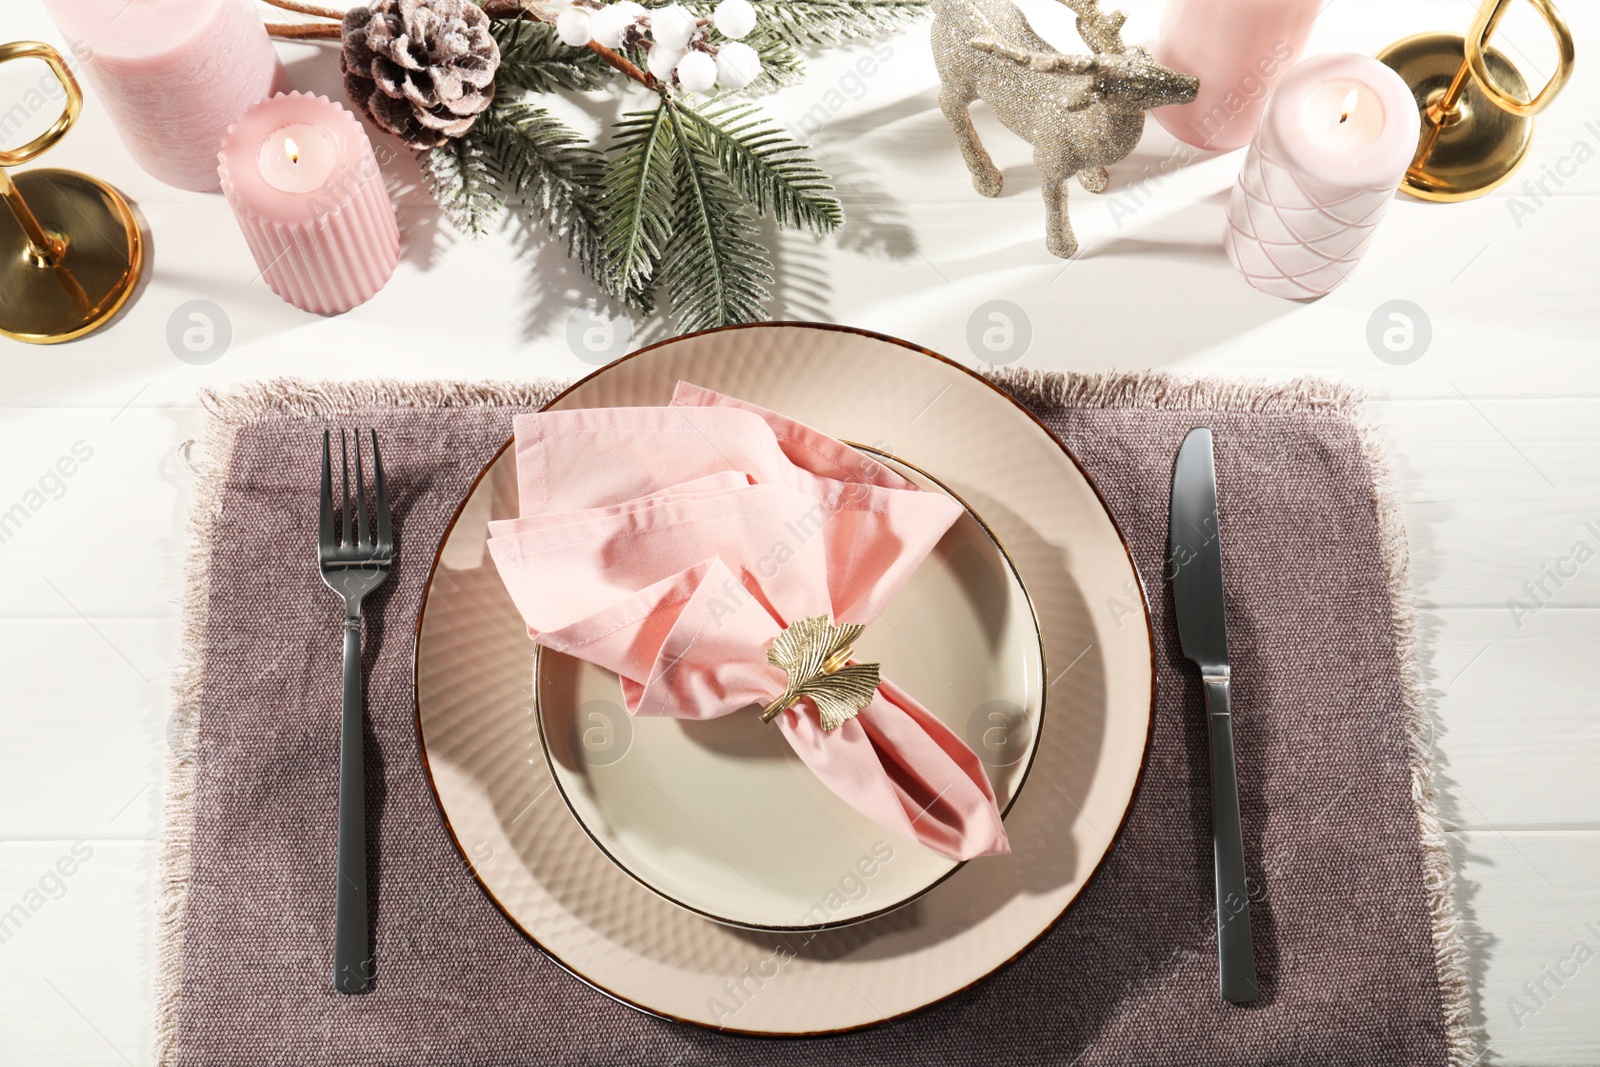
{"x": 354, "y": 539}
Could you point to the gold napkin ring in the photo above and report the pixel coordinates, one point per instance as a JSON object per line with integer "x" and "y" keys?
{"x": 816, "y": 656}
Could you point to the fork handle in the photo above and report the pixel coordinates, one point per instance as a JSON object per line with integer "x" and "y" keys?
{"x": 352, "y": 957}
{"x": 1236, "y": 965}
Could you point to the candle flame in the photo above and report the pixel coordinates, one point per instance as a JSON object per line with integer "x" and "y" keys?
{"x": 293, "y": 150}
{"x": 1347, "y": 107}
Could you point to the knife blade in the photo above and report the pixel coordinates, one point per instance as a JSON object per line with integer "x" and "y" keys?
{"x": 1195, "y": 570}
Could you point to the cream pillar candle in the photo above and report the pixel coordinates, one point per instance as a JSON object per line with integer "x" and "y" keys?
{"x": 173, "y": 74}
{"x": 1336, "y": 139}
{"x": 303, "y": 181}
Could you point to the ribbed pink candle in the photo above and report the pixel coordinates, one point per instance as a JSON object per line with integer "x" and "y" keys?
{"x": 1238, "y": 49}
{"x": 302, "y": 179}
{"x": 173, "y": 74}
{"x": 1337, "y": 137}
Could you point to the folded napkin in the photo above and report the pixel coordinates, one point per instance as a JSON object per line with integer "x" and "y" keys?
{"x": 672, "y": 545}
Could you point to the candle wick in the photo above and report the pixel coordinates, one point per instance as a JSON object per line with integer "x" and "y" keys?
{"x": 1347, "y": 107}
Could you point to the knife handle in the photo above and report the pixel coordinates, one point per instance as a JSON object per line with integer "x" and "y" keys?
{"x": 1236, "y": 963}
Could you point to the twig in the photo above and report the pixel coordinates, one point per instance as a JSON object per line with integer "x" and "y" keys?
{"x": 621, "y": 63}
{"x": 537, "y": 10}
{"x": 520, "y": 9}
{"x": 303, "y": 31}
{"x": 308, "y": 9}
{"x": 495, "y": 9}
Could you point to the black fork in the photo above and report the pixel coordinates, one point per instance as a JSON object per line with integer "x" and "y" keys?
{"x": 354, "y": 555}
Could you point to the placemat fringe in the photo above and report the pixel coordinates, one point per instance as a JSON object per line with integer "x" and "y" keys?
{"x": 1158, "y": 389}
{"x": 241, "y": 405}
{"x": 1449, "y": 928}
{"x": 177, "y": 804}
{"x": 229, "y": 409}
{"x": 250, "y": 402}
{"x": 1161, "y": 389}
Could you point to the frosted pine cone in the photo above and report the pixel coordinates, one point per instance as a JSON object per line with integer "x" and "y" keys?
{"x": 421, "y": 69}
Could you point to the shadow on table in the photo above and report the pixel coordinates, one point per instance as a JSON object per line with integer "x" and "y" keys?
{"x": 1424, "y": 554}
{"x": 1202, "y": 300}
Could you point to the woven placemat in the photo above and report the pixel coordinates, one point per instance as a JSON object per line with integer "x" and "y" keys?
{"x": 1360, "y": 954}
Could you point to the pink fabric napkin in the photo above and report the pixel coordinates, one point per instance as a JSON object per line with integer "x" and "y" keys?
{"x": 673, "y": 544}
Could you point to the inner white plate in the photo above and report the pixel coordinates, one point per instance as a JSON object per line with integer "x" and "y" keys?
{"x": 721, "y": 817}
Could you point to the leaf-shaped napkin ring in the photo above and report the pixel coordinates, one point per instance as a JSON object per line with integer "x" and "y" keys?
{"x": 816, "y": 656}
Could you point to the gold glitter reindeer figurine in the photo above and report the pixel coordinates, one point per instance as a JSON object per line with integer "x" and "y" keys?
{"x": 1080, "y": 113}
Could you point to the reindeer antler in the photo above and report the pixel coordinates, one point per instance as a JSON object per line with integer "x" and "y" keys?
{"x": 1044, "y": 61}
{"x": 1101, "y": 32}
{"x": 1048, "y": 62}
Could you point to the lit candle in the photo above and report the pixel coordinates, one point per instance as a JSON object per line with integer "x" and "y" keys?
{"x": 1334, "y": 143}
{"x": 302, "y": 179}
{"x": 173, "y": 74}
{"x": 298, "y": 159}
{"x": 1342, "y": 116}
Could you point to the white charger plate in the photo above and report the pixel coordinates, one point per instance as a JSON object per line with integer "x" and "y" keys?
{"x": 721, "y": 817}
{"x": 477, "y": 720}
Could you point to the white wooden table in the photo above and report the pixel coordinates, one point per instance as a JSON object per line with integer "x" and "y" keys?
{"x": 1495, "y": 429}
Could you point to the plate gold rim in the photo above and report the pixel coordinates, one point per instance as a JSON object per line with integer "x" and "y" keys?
{"x": 1089, "y": 880}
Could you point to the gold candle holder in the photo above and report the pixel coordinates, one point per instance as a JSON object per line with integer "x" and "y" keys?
{"x": 1477, "y": 115}
{"x": 70, "y": 248}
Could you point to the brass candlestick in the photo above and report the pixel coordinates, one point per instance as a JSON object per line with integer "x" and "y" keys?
{"x": 1477, "y": 116}
{"x": 70, "y": 247}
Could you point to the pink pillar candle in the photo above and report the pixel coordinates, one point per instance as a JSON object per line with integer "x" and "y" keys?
{"x": 302, "y": 179}
{"x": 1238, "y": 49}
{"x": 1335, "y": 142}
{"x": 173, "y": 74}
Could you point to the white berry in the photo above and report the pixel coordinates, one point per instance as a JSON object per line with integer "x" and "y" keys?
{"x": 612, "y": 21}
{"x": 672, "y": 26}
{"x": 697, "y": 72}
{"x": 663, "y": 61}
{"x": 734, "y": 18}
{"x": 572, "y": 26}
{"x": 737, "y": 65}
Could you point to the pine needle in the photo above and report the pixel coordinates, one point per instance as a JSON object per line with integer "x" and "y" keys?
{"x": 458, "y": 176}
{"x": 636, "y": 198}
{"x": 807, "y": 23}
{"x": 780, "y": 63}
{"x": 533, "y": 59}
{"x": 767, "y": 167}
{"x": 715, "y": 272}
{"x": 673, "y": 201}
{"x": 555, "y": 175}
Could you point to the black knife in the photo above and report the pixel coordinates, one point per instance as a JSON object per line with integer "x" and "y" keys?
{"x": 1195, "y": 568}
